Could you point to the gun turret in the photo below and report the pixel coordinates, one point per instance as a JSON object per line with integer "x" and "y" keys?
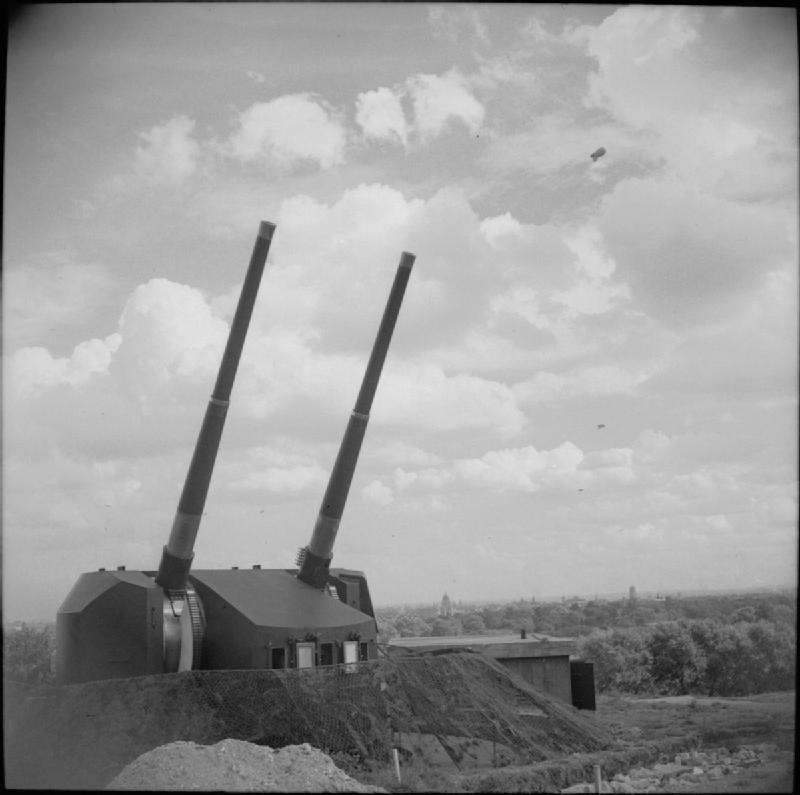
{"x": 315, "y": 559}
{"x": 178, "y": 553}
{"x": 121, "y": 623}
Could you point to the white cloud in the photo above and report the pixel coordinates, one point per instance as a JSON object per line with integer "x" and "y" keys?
{"x": 378, "y": 493}
{"x": 348, "y": 250}
{"x": 380, "y": 115}
{"x": 591, "y": 298}
{"x": 438, "y": 100}
{"x": 287, "y": 130}
{"x": 593, "y": 294}
{"x": 502, "y": 231}
{"x": 651, "y": 445}
{"x": 169, "y": 154}
{"x": 423, "y": 396}
{"x": 587, "y": 244}
{"x": 168, "y": 333}
{"x": 686, "y": 255}
{"x": 655, "y": 290}
{"x": 403, "y": 479}
{"x": 612, "y": 465}
{"x": 400, "y": 452}
{"x": 282, "y": 480}
{"x": 32, "y": 371}
{"x": 586, "y": 381}
{"x": 522, "y": 468}
{"x": 728, "y": 138}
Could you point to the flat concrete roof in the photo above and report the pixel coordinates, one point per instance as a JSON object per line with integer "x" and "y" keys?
{"x": 500, "y": 646}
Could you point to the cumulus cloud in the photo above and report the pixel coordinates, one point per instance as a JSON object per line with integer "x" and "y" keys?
{"x": 167, "y": 333}
{"x": 422, "y": 395}
{"x": 502, "y": 231}
{"x": 731, "y": 147}
{"x": 169, "y": 153}
{"x": 436, "y": 100}
{"x": 282, "y": 480}
{"x": 521, "y": 469}
{"x": 378, "y": 493}
{"x": 288, "y": 130}
{"x": 351, "y": 248}
{"x": 651, "y": 445}
{"x": 400, "y": 452}
{"x": 594, "y": 293}
{"x": 170, "y": 336}
{"x": 690, "y": 256}
{"x": 655, "y": 290}
{"x": 32, "y": 371}
{"x": 586, "y": 381}
{"x": 380, "y": 115}
{"x": 612, "y": 465}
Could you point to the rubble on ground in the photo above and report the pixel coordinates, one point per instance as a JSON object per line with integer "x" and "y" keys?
{"x": 686, "y": 771}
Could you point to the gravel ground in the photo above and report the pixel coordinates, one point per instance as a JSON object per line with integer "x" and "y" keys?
{"x": 712, "y": 770}
{"x": 236, "y": 766}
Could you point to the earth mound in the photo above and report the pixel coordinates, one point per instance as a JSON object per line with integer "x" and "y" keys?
{"x": 236, "y": 766}
{"x": 81, "y": 736}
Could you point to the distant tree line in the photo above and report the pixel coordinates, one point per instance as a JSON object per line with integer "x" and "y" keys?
{"x": 732, "y": 644}
{"x": 718, "y": 645}
{"x": 577, "y": 617}
{"x": 703, "y": 656}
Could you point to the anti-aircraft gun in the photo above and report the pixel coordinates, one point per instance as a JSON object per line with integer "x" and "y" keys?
{"x": 116, "y": 624}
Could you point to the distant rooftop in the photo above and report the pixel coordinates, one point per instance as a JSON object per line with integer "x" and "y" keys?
{"x": 533, "y": 645}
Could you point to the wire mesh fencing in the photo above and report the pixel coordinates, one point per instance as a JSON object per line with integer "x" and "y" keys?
{"x": 462, "y": 700}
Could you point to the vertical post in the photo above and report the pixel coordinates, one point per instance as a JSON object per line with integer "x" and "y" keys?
{"x": 396, "y": 757}
{"x": 598, "y": 779}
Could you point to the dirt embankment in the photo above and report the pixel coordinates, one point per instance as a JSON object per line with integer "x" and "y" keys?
{"x": 81, "y": 736}
{"x": 461, "y": 723}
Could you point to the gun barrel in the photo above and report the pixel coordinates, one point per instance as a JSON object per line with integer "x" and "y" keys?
{"x": 176, "y": 559}
{"x": 316, "y": 557}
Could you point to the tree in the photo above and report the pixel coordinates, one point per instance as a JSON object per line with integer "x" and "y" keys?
{"x": 386, "y": 630}
{"x": 727, "y": 653}
{"x": 605, "y": 656}
{"x": 492, "y": 618}
{"x": 772, "y": 661}
{"x": 473, "y": 624}
{"x": 678, "y": 663}
{"x": 27, "y": 652}
{"x": 412, "y": 626}
{"x": 747, "y": 613}
{"x": 621, "y": 660}
{"x": 445, "y": 627}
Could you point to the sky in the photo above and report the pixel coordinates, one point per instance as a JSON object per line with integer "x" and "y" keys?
{"x": 593, "y": 380}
